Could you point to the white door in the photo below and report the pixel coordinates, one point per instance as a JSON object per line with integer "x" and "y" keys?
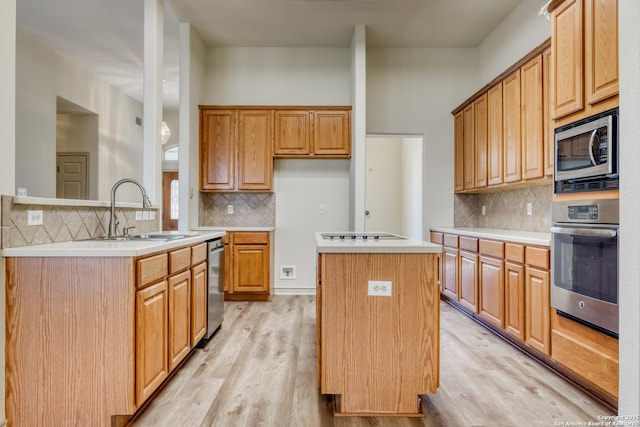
{"x": 393, "y": 185}
{"x": 72, "y": 175}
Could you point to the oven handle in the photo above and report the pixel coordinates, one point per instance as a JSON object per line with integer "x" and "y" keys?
{"x": 584, "y": 232}
{"x": 593, "y": 137}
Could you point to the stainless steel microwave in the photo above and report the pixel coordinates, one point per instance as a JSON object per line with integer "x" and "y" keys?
{"x": 587, "y": 149}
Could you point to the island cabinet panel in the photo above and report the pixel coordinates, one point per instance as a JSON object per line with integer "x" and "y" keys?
{"x": 79, "y": 311}
{"x": 379, "y": 353}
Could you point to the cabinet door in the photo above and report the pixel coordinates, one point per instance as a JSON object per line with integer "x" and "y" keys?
{"x": 601, "y": 49}
{"x": 251, "y": 268}
{"x": 491, "y": 290}
{"x": 255, "y": 142}
{"x": 332, "y": 133}
{"x": 458, "y": 140}
{"x": 179, "y": 317}
{"x": 450, "y": 273}
{"x": 469, "y": 147}
{"x": 494, "y": 135}
{"x": 469, "y": 281}
{"x": 198, "y": 302}
{"x": 480, "y": 135}
{"x": 568, "y": 60}
{"x": 217, "y": 149}
{"x": 514, "y": 299}
{"x": 228, "y": 270}
{"x": 547, "y": 122}
{"x": 292, "y": 133}
{"x": 531, "y": 116}
{"x": 537, "y": 332}
{"x": 511, "y": 128}
{"x": 152, "y": 323}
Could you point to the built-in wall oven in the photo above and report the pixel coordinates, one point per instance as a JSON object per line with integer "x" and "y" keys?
{"x": 584, "y": 262}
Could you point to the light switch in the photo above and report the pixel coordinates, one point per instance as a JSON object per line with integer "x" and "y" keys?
{"x": 230, "y": 209}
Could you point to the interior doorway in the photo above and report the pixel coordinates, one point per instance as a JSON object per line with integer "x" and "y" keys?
{"x": 72, "y": 176}
{"x": 393, "y": 184}
{"x": 170, "y": 201}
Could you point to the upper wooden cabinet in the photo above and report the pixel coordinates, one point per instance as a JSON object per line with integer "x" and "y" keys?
{"x": 458, "y": 143}
{"x": 313, "y": 132}
{"x": 531, "y": 115}
{"x": 255, "y": 158}
{"x": 494, "y": 135}
{"x": 468, "y": 147}
{"x": 217, "y": 150}
{"x": 511, "y": 128}
{"x": 584, "y": 42}
{"x": 481, "y": 111}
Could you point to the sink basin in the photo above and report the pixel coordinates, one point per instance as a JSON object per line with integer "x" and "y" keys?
{"x": 142, "y": 237}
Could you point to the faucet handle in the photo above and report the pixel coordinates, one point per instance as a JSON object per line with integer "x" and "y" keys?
{"x": 126, "y": 230}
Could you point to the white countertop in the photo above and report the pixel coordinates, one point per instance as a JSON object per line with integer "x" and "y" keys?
{"x": 374, "y": 246}
{"x": 265, "y": 228}
{"x": 98, "y": 248}
{"x": 526, "y": 237}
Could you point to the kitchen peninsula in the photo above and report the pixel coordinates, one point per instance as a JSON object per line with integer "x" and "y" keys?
{"x": 378, "y": 322}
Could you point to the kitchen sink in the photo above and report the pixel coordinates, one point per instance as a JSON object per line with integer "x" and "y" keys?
{"x": 141, "y": 237}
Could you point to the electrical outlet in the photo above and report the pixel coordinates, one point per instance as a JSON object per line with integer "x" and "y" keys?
{"x": 35, "y": 217}
{"x": 529, "y": 208}
{"x": 229, "y": 209}
{"x": 484, "y": 210}
{"x": 287, "y": 272}
{"x": 152, "y": 215}
{"x": 322, "y": 210}
{"x": 138, "y": 215}
{"x": 379, "y": 288}
{"x": 145, "y": 215}
{"x": 22, "y": 192}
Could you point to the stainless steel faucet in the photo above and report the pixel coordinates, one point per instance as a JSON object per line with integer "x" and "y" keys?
{"x": 113, "y": 221}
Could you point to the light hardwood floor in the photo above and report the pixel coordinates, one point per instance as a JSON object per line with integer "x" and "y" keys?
{"x": 260, "y": 370}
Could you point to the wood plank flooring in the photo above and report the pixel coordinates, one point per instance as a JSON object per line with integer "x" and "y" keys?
{"x": 260, "y": 370}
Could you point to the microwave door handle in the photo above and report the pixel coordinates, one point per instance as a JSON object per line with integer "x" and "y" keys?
{"x": 584, "y": 232}
{"x": 591, "y": 139}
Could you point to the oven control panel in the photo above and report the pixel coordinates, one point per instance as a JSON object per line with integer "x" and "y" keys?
{"x": 588, "y": 212}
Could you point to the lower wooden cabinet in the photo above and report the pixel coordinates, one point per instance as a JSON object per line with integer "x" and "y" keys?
{"x": 469, "y": 281}
{"x": 179, "y": 317}
{"x": 514, "y": 299}
{"x": 198, "y": 302}
{"x": 491, "y": 290}
{"x": 152, "y": 335}
{"x": 537, "y": 329}
{"x": 450, "y": 272}
{"x": 248, "y": 266}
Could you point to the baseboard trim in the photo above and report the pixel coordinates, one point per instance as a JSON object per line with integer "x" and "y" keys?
{"x": 295, "y": 291}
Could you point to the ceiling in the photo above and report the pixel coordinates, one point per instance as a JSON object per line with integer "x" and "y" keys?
{"x": 106, "y": 36}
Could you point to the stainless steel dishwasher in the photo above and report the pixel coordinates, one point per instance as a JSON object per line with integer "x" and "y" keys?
{"x": 215, "y": 294}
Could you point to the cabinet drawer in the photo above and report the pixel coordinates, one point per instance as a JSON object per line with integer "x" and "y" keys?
{"x": 451, "y": 240}
{"x": 151, "y": 269}
{"x": 437, "y": 237}
{"x": 492, "y": 248}
{"x": 198, "y": 253}
{"x": 179, "y": 260}
{"x": 513, "y": 252}
{"x": 468, "y": 244}
{"x": 250, "y": 238}
{"x": 537, "y": 257}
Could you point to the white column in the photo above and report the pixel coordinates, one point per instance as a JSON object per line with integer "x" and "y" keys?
{"x": 152, "y": 105}
{"x": 629, "y": 155}
{"x": 358, "y": 127}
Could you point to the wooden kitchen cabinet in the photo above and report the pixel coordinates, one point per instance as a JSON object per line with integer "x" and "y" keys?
{"x": 449, "y": 278}
{"x": 584, "y": 43}
{"x": 481, "y": 111}
{"x": 514, "y": 295}
{"x": 311, "y": 132}
{"x": 537, "y": 300}
{"x": 198, "y": 302}
{"x": 494, "y": 135}
{"x": 458, "y": 140}
{"x": 548, "y": 135}
{"x": 249, "y": 264}
{"x": 469, "y": 152}
{"x": 532, "y": 123}
{"x": 179, "y": 317}
{"x": 236, "y": 149}
{"x": 152, "y": 339}
{"x": 491, "y": 282}
{"x": 512, "y": 131}
{"x": 468, "y": 275}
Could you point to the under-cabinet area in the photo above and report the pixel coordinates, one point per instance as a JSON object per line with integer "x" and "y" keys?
{"x": 91, "y": 338}
{"x": 502, "y": 279}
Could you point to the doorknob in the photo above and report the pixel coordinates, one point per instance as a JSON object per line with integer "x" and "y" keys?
{"x": 366, "y": 213}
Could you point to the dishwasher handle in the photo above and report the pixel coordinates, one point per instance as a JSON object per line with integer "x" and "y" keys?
{"x": 216, "y": 244}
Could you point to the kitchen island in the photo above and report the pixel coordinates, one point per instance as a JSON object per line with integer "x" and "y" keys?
{"x": 378, "y": 322}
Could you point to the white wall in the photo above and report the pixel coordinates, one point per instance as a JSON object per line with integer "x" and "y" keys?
{"x": 413, "y": 91}
{"x": 515, "y": 36}
{"x": 7, "y": 146}
{"x": 629, "y": 291}
{"x": 291, "y": 76}
{"x": 42, "y": 74}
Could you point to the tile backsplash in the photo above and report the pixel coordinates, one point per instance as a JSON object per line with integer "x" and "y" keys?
{"x": 63, "y": 223}
{"x": 249, "y": 210}
{"x": 506, "y": 209}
